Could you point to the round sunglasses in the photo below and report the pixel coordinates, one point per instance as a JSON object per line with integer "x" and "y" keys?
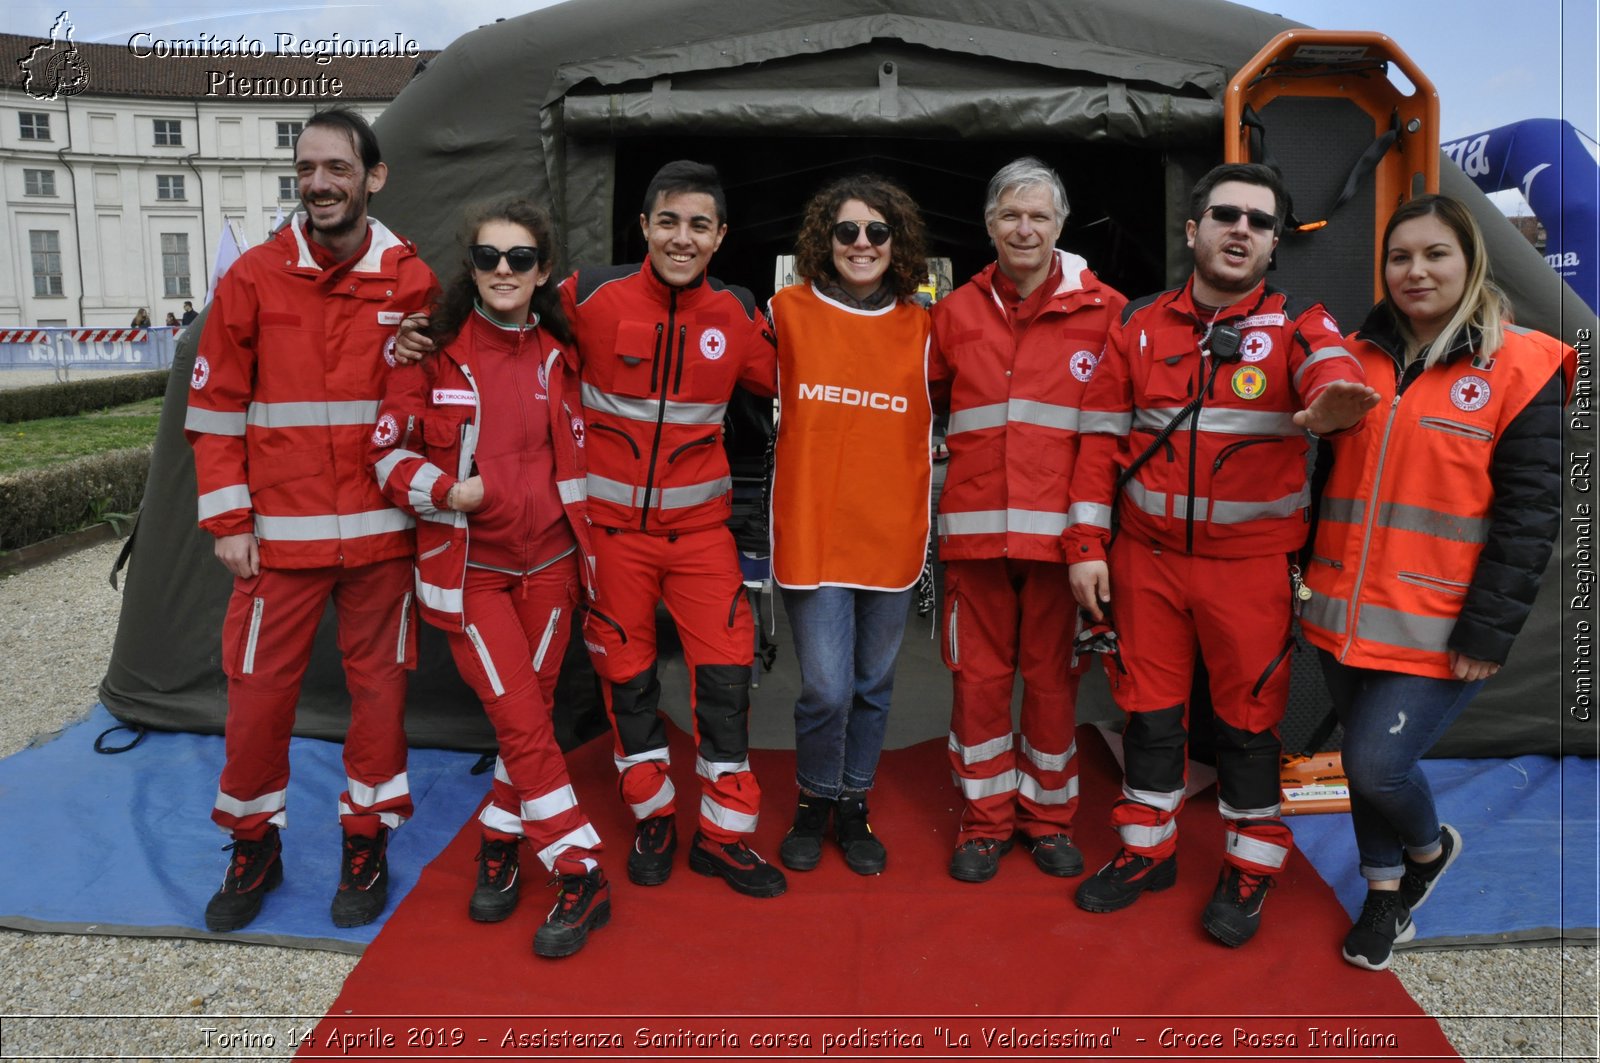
{"x": 878, "y": 232}
{"x": 486, "y": 257}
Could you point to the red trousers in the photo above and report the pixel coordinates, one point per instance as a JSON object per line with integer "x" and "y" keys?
{"x": 696, "y": 574}
{"x": 266, "y": 645}
{"x": 516, "y": 632}
{"x": 1003, "y": 616}
{"x": 1167, "y": 606}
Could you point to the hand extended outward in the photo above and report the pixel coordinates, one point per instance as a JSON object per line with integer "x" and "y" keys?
{"x": 1339, "y": 405}
{"x": 239, "y": 554}
{"x": 1091, "y": 585}
{"x": 411, "y": 343}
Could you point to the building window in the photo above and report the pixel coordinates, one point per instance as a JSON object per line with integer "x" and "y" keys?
{"x": 169, "y": 133}
{"x": 38, "y": 183}
{"x": 45, "y": 245}
{"x": 169, "y": 186}
{"x": 175, "y": 264}
{"x": 34, "y": 125}
{"x": 287, "y": 131}
{"x": 288, "y": 188}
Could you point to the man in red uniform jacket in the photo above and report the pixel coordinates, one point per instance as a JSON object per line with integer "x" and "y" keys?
{"x": 284, "y": 393}
{"x": 1214, "y": 386}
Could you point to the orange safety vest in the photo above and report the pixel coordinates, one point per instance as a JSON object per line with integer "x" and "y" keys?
{"x": 851, "y": 486}
{"x": 1406, "y": 511}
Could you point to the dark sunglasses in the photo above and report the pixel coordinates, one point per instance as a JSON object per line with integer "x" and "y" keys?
{"x": 1260, "y": 220}
{"x": 878, "y": 232}
{"x": 486, "y": 257}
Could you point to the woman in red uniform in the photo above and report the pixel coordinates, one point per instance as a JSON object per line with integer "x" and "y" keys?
{"x": 850, "y": 493}
{"x": 482, "y": 442}
{"x": 1435, "y": 525}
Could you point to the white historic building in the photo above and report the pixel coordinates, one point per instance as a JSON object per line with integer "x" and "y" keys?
{"x": 121, "y": 171}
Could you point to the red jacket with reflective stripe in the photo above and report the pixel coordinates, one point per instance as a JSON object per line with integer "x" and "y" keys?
{"x": 428, "y": 428}
{"x": 1013, "y": 396}
{"x": 284, "y": 392}
{"x": 1230, "y": 481}
{"x": 1413, "y": 502}
{"x": 659, "y": 366}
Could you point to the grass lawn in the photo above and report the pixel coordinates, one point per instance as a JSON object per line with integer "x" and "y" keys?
{"x": 37, "y": 444}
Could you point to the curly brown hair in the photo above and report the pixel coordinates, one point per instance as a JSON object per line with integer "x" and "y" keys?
{"x": 908, "y": 258}
{"x": 460, "y": 294}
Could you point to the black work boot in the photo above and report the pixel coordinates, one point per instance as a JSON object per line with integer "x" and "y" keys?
{"x": 740, "y": 866}
{"x": 1234, "y": 914}
{"x": 583, "y": 904}
{"x": 255, "y": 868}
{"x": 496, "y": 896}
{"x": 978, "y": 859}
{"x": 655, "y": 840}
{"x": 363, "y": 879}
{"x": 802, "y": 846}
{"x": 863, "y": 852}
{"x": 1120, "y": 882}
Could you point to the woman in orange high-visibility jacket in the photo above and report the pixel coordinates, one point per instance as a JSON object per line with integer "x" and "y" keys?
{"x": 1435, "y": 526}
{"x": 850, "y": 494}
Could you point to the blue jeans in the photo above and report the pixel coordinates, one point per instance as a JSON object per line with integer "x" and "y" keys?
{"x": 846, "y": 641}
{"x": 1390, "y": 720}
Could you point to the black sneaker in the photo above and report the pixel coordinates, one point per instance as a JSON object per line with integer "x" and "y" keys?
{"x": 1416, "y": 885}
{"x": 1054, "y": 854}
{"x": 1120, "y": 882}
{"x": 1234, "y": 914}
{"x": 583, "y": 904}
{"x": 254, "y": 869}
{"x": 496, "y": 896}
{"x": 1384, "y": 922}
{"x": 802, "y": 846}
{"x": 363, "y": 879}
{"x": 655, "y": 841}
{"x": 738, "y": 865}
{"x": 977, "y": 859}
{"x": 863, "y": 852}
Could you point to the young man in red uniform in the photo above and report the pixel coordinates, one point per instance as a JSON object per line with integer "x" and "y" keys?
{"x": 1012, "y": 351}
{"x": 1214, "y": 386}
{"x": 284, "y": 393}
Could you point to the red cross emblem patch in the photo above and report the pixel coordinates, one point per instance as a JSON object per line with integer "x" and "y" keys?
{"x": 713, "y": 344}
{"x": 1255, "y": 347}
{"x": 1470, "y": 393}
{"x": 201, "y": 373}
{"x": 1083, "y": 364}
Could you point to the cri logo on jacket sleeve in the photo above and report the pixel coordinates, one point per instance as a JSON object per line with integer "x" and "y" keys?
{"x": 1470, "y": 393}
{"x": 202, "y": 373}
{"x": 713, "y": 344}
{"x": 386, "y": 431}
{"x": 388, "y": 352}
{"x": 577, "y": 430}
{"x": 1083, "y": 364}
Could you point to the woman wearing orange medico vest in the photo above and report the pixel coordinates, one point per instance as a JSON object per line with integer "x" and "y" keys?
{"x": 1435, "y": 525}
{"x": 850, "y": 494}
{"x": 482, "y": 443}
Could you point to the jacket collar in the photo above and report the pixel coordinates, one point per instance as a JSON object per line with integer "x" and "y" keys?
{"x": 1382, "y": 331}
{"x": 1073, "y": 269}
{"x": 372, "y": 262}
{"x": 663, "y": 292}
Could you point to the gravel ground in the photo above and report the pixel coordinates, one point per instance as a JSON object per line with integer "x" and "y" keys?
{"x": 60, "y": 994}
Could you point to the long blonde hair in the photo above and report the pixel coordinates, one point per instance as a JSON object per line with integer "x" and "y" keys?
{"x": 1481, "y": 307}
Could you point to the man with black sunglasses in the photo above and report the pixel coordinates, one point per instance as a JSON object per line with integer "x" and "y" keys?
{"x": 1189, "y": 497}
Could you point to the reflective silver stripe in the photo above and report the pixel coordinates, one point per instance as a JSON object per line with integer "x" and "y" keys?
{"x": 544, "y": 642}
{"x": 573, "y": 490}
{"x": 1105, "y": 422}
{"x": 976, "y": 418}
{"x": 265, "y": 803}
{"x": 716, "y": 769}
{"x": 1166, "y": 801}
{"x": 385, "y": 465}
{"x": 1043, "y": 414}
{"x": 312, "y": 414}
{"x": 439, "y": 599}
{"x": 702, "y": 413}
{"x": 726, "y": 818}
{"x": 1222, "y": 422}
{"x": 1407, "y": 630}
{"x": 223, "y": 499}
{"x": 1322, "y": 355}
{"x": 1433, "y": 522}
{"x": 496, "y": 818}
{"x": 1090, "y": 514}
{"x": 366, "y": 796}
{"x": 1255, "y": 850}
{"x": 650, "y": 806}
{"x": 1135, "y": 836}
{"x": 392, "y": 820}
{"x": 1240, "y": 512}
{"x": 1342, "y": 510}
{"x": 1151, "y": 502}
{"x": 1229, "y": 812}
{"x": 445, "y": 516}
{"x": 483, "y": 659}
{"x": 996, "y": 521}
{"x": 603, "y": 489}
{"x": 1035, "y": 522}
{"x": 1029, "y": 787}
{"x": 551, "y": 804}
{"x": 258, "y": 607}
{"x": 1434, "y": 583}
{"x": 332, "y": 525}
{"x": 635, "y": 759}
{"x": 582, "y": 838}
{"x": 1049, "y": 761}
{"x": 214, "y": 422}
{"x": 500, "y": 772}
{"x": 1324, "y": 612}
{"x": 981, "y": 752}
{"x": 419, "y": 492}
{"x": 692, "y": 494}
{"x": 977, "y": 789}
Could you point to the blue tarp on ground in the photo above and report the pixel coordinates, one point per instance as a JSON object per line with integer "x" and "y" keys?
{"x": 1528, "y": 865}
{"x": 124, "y": 844}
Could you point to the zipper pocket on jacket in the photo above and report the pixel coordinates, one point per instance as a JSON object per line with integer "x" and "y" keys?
{"x": 602, "y": 427}
{"x": 1318, "y": 559}
{"x": 405, "y": 629}
{"x": 612, "y": 624}
{"x": 436, "y": 551}
{"x": 544, "y": 643}
{"x": 1255, "y": 691}
{"x": 411, "y": 424}
{"x": 1457, "y": 428}
{"x": 690, "y": 446}
{"x": 257, "y": 608}
{"x": 950, "y": 633}
{"x": 483, "y": 659}
{"x": 1433, "y": 583}
{"x": 1227, "y": 451}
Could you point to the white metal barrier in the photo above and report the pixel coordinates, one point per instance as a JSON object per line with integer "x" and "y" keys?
{"x": 65, "y": 349}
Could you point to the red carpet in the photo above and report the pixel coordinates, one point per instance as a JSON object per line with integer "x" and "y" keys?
{"x": 903, "y": 964}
